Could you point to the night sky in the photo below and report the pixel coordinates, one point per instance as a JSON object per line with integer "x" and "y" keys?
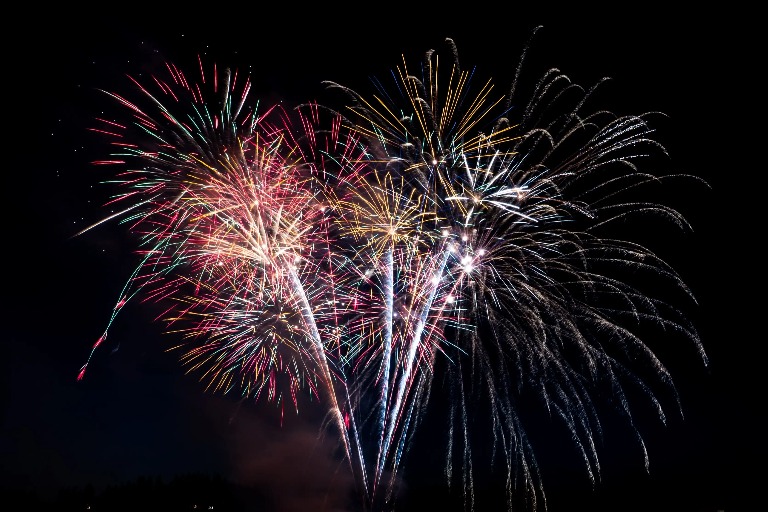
{"x": 136, "y": 413}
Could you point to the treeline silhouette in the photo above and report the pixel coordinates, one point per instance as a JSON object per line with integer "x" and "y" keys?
{"x": 191, "y": 492}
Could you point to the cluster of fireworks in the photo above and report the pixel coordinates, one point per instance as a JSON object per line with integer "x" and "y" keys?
{"x": 356, "y": 250}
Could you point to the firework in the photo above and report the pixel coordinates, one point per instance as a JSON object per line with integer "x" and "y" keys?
{"x": 431, "y": 232}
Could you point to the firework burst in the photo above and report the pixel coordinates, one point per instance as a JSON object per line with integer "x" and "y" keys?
{"x": 357, "y": 249}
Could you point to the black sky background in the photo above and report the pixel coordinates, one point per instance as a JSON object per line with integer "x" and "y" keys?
{"x": 137, "y": 414}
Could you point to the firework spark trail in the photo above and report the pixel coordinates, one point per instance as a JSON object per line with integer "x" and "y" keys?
{"x": 386, "y": 359}
{"x": 354, "y": 250}
{"x": 406, "y": 375}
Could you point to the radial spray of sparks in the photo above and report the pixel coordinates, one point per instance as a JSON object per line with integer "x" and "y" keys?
{"x": 505, "y": 244}
{"x": 363, "y": 250}
{"x": 235, "y": 218}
